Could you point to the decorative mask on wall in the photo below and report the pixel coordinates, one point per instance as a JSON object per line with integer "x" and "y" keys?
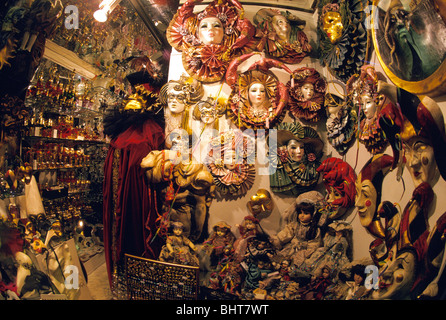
{"x": 231, "y": 163}
{"x": 380, "y": 119}
{"x": 340, "y": 182}
{"x": 307, "y": 89}
{"x": 342, "y": 123}
{"x": 281, "y": 35}
{"x": 342, "y": 36}
{"x": 208, "y": 40}
{"x": 260, "y": 203}
{"x": 177, "y": 96}
{"x": 299, "y": 150}
{"x": 368, "y": 193}
{"x": 258, "y": 97}
{"x": 209, "y": 111}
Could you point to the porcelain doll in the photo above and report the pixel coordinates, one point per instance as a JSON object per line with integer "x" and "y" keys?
{"x": 342, "y": 36}
{"x": 299, "y": 150}
{"x": 334, "y": 251}
{"x": 220, "y": 240}
{"x": 318, "y": 285}
{"x": 356, "y": 288}
{"x": 227, "y": 161}
{"x": 301, "y": 236}
{"x": 307, "y": 90}
{"x": 257, "y": 98}
{"x": 178, "y": 248}
{"x": 249, "y": 230}
{"x": 339, "y": 180}
{"x": 281, "y": 35}
{"x": 341, "y": 123}
{"x": 211, "y": 38}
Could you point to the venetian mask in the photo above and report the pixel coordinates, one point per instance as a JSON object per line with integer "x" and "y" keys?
{"x": 257, "y": 94}
{"x": 282, "y": 27}
{"x": 134, "y": 103}
{"x": 420, "y": 160}
{"x": 332, "y": 25}
{"x": 295, "y": 150}
{"x": 307, "y": 91}
{"x": 368, "y": 106}
{"x": 176, "y": 101}
{"x": 397, "y": 277}
{"x": 366, "y": 197}
{"x": 261, "y": 202}
{"x": 210, "y": 31}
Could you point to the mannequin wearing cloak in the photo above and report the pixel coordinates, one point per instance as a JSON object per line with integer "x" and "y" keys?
{"x": 128, "y": 201}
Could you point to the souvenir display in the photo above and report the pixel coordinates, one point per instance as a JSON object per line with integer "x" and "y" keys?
{"x": 299, "y": 150}
{"x": 408, "y": 60}
{"x": 342, "y": 122}
{"x": 340, "y": 183}
{"x": 178, "y": 96}
{"x": 281, "y": 35}
{"x": 307, "y": 90}
{"x": 342, "y": 36}
{"x": 210, "y": 39}
{"x": 229, "y": 161}
{"x": 258, "y": 98}
{"x": 234, "y": 173}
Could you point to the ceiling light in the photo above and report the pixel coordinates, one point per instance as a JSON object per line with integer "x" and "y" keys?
{"x": 105, "y": 8}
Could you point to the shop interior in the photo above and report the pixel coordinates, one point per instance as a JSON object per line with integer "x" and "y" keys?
{"x": 222, "y": 150}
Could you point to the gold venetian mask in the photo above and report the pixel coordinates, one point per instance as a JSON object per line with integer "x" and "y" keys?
{"x": 260, "y": 202}
{"x": 332, "y": 25}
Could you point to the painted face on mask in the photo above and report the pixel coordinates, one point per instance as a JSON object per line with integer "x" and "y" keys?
{"x": 396, "y": 277}
{"x": 366, "y": 197}
{"x": 210, "y": 31}
{"x": 307, "y": 91}
{"x": 420, "y": 160}
{"x": 295, "y": 150}
{"x": 257, "y": 94}
{"x": 332, "y": 25}
{"x": 282, "y": 27}
{"x": 368, "y": 106}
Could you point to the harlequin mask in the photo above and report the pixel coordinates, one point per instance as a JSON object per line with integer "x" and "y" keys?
{"x": 261, "y": 202}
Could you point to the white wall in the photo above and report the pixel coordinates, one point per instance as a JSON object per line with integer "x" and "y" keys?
{"x": 233, "y": 211}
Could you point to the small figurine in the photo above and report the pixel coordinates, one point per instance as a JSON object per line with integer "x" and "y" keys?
{"x": 357, "y": 290}
{"x": 307, "y": 90}
{"x": 318, "y": 285}
{"x": 301, "y": 236}
{"x": 178, "y": 248}
{"x": 218, "y": 242}
{"x": 334, "y": 252}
